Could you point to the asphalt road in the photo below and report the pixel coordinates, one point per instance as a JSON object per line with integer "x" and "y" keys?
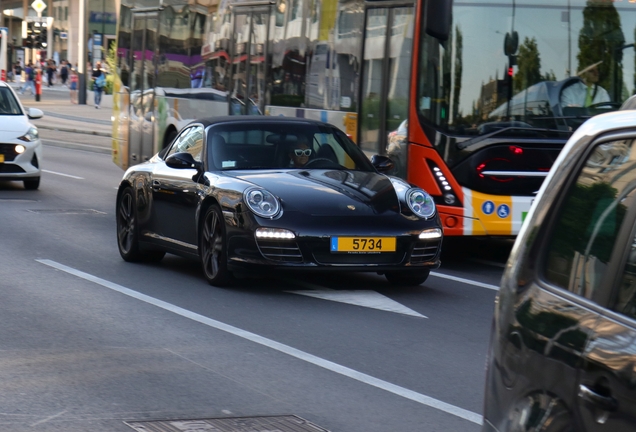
{"x": 89, "y": 342}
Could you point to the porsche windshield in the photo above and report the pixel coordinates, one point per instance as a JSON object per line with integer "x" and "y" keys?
{"x": 280, "y": 145}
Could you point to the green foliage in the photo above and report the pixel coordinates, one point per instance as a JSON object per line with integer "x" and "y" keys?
{"x": 457, "y": 79}
{"x": 111, "y": 59}
{"x": 529, "y": 65}
{"x": 601, "y": 39}
{"x": 108, "y": 89}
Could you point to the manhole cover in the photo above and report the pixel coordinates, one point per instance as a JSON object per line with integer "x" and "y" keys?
{"x": 66, "y": 211}
{"x": 288, "y": 423}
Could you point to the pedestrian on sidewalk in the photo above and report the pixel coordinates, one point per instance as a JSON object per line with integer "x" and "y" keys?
{"x": 74, "y": 83}
{"x": 29, "y": 83}
{"x": 17, "y": 69}
{"x": 50, "y": 71}
{"x": 64, "y": 72}
{"x": 99, "y": 84}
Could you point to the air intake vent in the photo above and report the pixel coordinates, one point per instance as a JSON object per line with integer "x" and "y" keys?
{"x": 425, "y": 251}
{"x": 281, "y": 251}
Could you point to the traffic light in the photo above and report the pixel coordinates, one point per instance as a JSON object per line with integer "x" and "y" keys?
{"x": 44, "y": 37}
{"x": 37, "y": 34}
{"x": 28, "y": 41}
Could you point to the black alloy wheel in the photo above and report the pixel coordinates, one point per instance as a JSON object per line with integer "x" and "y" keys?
{"x": 407, "y": 278}
{"x": 213, "y": 248}
{"x": 127, "y": 235}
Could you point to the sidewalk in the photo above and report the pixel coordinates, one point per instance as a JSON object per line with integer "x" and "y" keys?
{"x": 61, "y": 115}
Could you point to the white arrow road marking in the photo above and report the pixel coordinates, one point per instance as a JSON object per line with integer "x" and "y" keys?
{"x": 286, "y": 349}
{"x": 364, "y": 298}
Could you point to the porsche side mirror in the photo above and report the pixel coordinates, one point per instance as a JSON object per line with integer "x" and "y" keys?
{"x": 383, "y": 164}
{"x": 183, "y": 160}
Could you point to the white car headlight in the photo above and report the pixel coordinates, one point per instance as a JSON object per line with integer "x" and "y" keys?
{"x": 261, "y": 202}
{"x": 420, "y": 203}
{"x": 30, "y": 136}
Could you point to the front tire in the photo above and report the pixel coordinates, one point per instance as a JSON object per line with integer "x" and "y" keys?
{"x": 32, "y": 184}
{"x": 127, "y": 231}
{"x": 407, "y": 278}
{"x": 213, "y": 248}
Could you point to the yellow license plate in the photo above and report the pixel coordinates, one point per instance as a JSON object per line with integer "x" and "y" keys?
{"x": 362, "y": 244}
{"x": 1, "y": 158}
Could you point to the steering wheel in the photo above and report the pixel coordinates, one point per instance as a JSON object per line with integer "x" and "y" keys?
{"x": 608, "y": 104}
{"x": 319, "y": 160}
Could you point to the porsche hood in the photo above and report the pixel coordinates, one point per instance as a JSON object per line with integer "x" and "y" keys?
{"x": 328, "y": 192}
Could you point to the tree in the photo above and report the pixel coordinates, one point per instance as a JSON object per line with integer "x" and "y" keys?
{"x": 529, "y": 65}
{"x": 601, "y": 39}
{"x": 457, "y": 79}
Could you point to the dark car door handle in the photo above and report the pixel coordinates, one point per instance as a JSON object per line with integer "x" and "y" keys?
{"x": 156, "y": 185}
{"x": 607, "y": 403}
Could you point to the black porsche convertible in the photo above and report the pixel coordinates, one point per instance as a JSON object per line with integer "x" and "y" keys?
{"x": 259, "y": 193}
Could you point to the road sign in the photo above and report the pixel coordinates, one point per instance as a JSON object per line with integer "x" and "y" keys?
{"x": 32, "y": 18}
{"x": 6, "y": 29}
{"x": 38, "y": 6}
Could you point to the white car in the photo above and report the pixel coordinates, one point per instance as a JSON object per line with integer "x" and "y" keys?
{"x": 20, "y": 145}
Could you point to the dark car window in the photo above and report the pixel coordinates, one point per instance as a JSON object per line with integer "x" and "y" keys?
{"x": 191, "y": 141}
{"x": 276, "y": 145}
{"x": 590, "y": 219}
{"x": 8, "y": 104}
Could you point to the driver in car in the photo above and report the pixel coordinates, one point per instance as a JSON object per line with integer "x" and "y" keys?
{"x": 586, "y": 92}
{"x": 300, "y": 152}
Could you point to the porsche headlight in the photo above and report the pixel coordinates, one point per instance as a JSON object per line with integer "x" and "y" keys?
{"x": 261, "y": 202}
{"x": 30, "y": 136}
{"x": 420, "y": 203}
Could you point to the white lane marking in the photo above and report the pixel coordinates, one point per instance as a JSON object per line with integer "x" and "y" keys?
{"x": 364, "y": 298}
{"x": 64, "y": 175}
{"x": 466, "y": 281}
{"x": 48, "y": 418}
{"x": 286, "y": 349}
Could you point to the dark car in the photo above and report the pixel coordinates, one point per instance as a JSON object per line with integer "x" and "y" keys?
{"x": 244, "y": 194}
{"x": 563, "y": 344}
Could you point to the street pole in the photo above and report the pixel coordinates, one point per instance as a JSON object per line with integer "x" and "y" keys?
{"x": 81, "y": 66}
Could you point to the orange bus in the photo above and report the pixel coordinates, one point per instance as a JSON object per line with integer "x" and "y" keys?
{"x": 472, "y": 100}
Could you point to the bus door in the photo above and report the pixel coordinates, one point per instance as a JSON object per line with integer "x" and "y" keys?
{"x": 142, "y": 84}
{"x": 249, "y": 55}
{"x": 388, "y": 44}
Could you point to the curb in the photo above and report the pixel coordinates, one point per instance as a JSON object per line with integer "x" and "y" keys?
{"x": 79, "y": 131}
